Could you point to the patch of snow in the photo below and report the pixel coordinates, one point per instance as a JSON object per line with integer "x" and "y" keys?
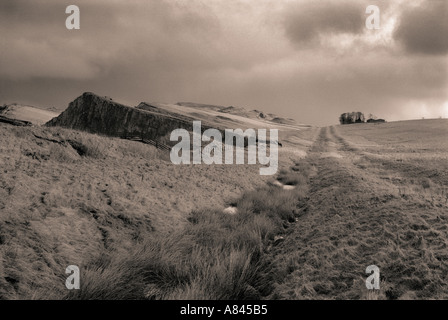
{"x": 230, "y": 210}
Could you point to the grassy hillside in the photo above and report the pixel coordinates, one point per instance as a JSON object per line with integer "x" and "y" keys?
{"x": 58, "y": 207}
{"x": 140, "y": 227}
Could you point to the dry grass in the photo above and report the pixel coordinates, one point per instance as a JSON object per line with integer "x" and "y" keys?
{"x": 364, "y": 195}
{"x": 296, "y": 175}
{"x": 215, "y": 256}
{"x": 381, "y": 199}
{"x": 58, "y": 207}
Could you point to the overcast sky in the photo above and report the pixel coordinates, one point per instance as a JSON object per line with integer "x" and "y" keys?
{"x": 305, "y": 59}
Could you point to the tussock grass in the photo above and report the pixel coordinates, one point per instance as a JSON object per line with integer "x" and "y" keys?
{"x": 116, "y": 210}
{"x": 297, "y": 175}
{"x": 303, "y": 167}
{"x": 290, "y": 178}
{"x": 99, "y": 202}
{"x": 215, "y": 256}
{"x": 99, "y": 147}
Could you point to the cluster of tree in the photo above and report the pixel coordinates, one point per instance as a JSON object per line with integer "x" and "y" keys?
{"x": 351, "y": 117}
{"x": 357, "y": 117}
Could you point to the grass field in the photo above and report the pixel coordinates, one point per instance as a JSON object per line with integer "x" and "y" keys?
{"x": 69, "y": 197}
{"x": 142, "y": 228}
{"x": 380, "y": 196}
{"x": 59, "y": 208}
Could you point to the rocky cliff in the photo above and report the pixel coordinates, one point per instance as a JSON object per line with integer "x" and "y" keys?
{"x": 101, "y": 115}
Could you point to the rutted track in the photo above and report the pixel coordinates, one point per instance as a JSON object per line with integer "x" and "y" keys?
{"x": 355, "y": 218}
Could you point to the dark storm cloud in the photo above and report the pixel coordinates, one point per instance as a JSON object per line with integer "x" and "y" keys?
{"x": 226, "y": 52}
{"x": 305, "y": 22}
{"x": 424, "y": 29}
{"x": 36, "y": 43}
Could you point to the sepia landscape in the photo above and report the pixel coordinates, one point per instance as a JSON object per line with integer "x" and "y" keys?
{"x": 87, "y": 177}
{"x": 359, "y": 194}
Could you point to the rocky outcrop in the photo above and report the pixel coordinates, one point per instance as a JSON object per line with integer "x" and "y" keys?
{"x": 101, "y": 115}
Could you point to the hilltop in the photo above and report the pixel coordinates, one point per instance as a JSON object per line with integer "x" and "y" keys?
{"x": 155, "y": 121}
{"x": 241, "y": 112}
{"x": 92, "y": 113}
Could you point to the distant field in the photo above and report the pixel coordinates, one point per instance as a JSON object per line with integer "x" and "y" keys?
{"x": 414, "y": 136}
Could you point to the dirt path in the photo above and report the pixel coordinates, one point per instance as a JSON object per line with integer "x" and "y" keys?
{"x": 355, "y": 218}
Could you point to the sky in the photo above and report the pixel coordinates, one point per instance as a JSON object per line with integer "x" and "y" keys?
{"x": 303, "y": 59}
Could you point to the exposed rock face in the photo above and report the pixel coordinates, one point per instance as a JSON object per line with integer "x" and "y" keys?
{"x": 96, "y": 114}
